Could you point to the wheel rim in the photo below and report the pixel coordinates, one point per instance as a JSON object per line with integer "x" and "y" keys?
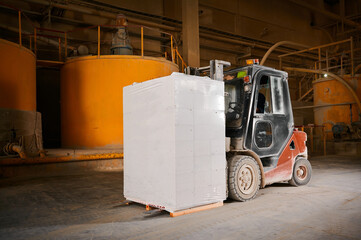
{"x": 246, "y": 177}
{"x": 301, "y": 172}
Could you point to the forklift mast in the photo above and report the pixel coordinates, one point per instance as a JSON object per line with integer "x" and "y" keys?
{"x": 214, "y": 70}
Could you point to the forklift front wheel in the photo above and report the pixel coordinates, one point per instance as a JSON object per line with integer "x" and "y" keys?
{"x": 244, "y": 178}
{"x": 301, "y": 172}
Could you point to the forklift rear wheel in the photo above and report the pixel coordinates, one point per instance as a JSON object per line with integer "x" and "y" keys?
{"x": 301, "y": 172}
{"x": 244, "y": 178}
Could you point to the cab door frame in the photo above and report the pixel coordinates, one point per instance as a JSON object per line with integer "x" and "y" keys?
{"x": 281, "y": 124}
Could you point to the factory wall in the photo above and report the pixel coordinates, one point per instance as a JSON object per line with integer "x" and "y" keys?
{"x": 17, "y": 80}
{"x": 92, "y": 96}
{"x": 269, "y": 21}
{"x": 258, "y": 19}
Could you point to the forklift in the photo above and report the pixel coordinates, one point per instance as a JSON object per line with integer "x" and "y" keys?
{"x": 262, "y": 145}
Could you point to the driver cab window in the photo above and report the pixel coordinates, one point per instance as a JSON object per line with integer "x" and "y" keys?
{"x": 230, "y": 99}
{"x": 277, "y": 95}
{"x": 264, "y": 103}
{"x": 233, "y": 103}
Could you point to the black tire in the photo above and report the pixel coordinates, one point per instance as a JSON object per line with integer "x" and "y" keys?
{"x": 302, "y": 172}
{"x": 244, "y": 178}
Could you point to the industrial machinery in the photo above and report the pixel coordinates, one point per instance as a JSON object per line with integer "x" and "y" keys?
{"x": 100, "y": 106}
{"x": 121, "y": 42}
{"x": 262, "y": 145}
{"x": 20, "y": 123}
{"x": 91, "y": 100}
{"x": 339, "y": 114}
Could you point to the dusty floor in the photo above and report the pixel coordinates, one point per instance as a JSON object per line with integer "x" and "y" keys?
{"x": 86, "y": 206}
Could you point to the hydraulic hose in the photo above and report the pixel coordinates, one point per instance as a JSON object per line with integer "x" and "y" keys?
{"x": 270, "y": 50}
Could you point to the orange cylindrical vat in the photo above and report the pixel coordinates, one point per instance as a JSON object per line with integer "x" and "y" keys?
{"x": 17, "y": 77}
{"x": 332, "y": 92}
{"x": 92, "y": 96}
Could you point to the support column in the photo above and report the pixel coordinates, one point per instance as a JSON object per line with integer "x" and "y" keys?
{"x": 190, "y": 32}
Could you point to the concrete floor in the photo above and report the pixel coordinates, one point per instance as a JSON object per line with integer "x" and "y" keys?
{"x": 86, "y": 206}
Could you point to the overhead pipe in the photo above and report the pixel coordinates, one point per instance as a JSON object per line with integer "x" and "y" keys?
{"x": 42, "y": 39}
{"x": 72, "y": 21}
{"x": 327, "y": 13}
{"x": 341, "y": 80}
{"x": 177, "y": 28}
{"x": 270, "y": 50}
{"x": 90, "y": 11}
{"x": 56, "y": 43}
{"x": 236, "y": 41}
{"x": 316, "y": 47}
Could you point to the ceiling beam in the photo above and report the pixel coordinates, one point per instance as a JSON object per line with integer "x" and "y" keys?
{"x": 327, "y": 13}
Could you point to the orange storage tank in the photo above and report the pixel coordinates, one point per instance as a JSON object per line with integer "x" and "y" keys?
{"x": 92, "y": 96}
{"x": 17, "y": 77}
{"x": 334, "y": 92}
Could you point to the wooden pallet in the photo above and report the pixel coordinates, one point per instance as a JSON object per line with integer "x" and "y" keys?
{"x": 196, "y": 209}
{"x": 149, "y": 208}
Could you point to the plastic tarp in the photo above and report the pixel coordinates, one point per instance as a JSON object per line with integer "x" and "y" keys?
{"x": 174, "y": 142}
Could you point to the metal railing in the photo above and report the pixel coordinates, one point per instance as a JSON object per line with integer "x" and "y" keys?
{"x": 174, "y": 55}
{"x": 61, "y": 40}
{"x": 325, "y": 57}
{"x": 304, "y": 86}
{"x": 19, "y": 21}
{"x": 313, "y": 133}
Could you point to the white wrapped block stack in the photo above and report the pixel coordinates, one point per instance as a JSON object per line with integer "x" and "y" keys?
{"x": 174, "y": 142}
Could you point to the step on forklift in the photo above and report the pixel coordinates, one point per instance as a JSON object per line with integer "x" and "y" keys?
{"x": 262, "y": 145}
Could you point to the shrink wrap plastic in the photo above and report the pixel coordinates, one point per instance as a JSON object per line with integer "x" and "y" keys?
{"x": 174, "y": 142}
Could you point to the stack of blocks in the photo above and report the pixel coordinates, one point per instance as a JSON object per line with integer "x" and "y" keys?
{"x": 174, "y": 142}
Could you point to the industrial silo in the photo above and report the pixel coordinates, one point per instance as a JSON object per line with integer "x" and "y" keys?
{"x": 340, "y": 108}
{"x": 92, "y": 96}
{"x": 20, "y": 124}
{"x": 18, "y": 77}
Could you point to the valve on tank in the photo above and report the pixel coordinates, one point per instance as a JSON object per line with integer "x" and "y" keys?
{"x": 343, "y": 131}
{"x": 340, "y": 131}
{"x": 120, "y": 41}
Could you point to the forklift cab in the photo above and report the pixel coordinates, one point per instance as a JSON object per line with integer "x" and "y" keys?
{"x": 258, "y": 108}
